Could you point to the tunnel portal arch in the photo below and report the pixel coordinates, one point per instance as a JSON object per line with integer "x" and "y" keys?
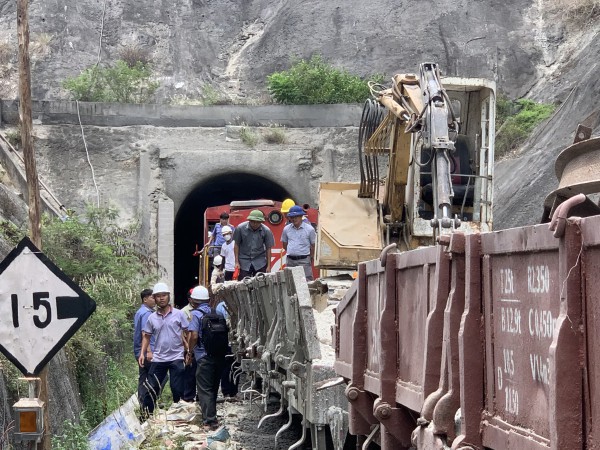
{"x": 189, "y": 220}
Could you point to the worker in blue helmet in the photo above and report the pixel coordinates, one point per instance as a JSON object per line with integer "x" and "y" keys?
{"x": 298, "y": 240}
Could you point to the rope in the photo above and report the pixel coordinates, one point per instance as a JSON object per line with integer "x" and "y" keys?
{"x": 88, "y": 157}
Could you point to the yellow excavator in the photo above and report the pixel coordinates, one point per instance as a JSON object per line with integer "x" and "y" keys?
{"x": 426, "y": 158}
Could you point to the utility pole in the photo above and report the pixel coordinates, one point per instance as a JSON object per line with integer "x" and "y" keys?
{"x": 33, "y": 188}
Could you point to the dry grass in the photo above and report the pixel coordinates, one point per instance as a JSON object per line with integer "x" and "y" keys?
{"x": 248, "y": 137}
{"x": 133, "y": 54}
{"x": 7, "y": 52}
{"x": 275, "y": 136}
{"x": 582, "y": 11}
{"x": 40, "y": 45}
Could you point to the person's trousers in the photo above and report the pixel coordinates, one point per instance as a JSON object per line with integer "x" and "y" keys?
{"x": 208, "y": 377}
{"x": 156, "y": 375}
{"x": 189, "y": 382}
{"x": 229, "y": 275}
{"x": 304, "y": 263}
{"x": 251, "y": 272}
{"x": 228, "y": 387}
{"x": 142, "y": 376}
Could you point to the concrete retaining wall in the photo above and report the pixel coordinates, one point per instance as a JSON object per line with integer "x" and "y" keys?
{"x": 121, "y": 114}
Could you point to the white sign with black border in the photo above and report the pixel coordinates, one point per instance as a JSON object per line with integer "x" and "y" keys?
{"x": 40, "y": 308}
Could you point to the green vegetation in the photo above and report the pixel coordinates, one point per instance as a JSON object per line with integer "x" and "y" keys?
{"x": 516, "y": 120}
{"x": 102, "y": 258}
{"x": 92, "y": 245}
{"x": 120, "y": 83}
{"x": 248, "y": 137}
{"x": 314, "y": 81}
{"x": 73, "y": 436}
{"x": 100, "y": 255}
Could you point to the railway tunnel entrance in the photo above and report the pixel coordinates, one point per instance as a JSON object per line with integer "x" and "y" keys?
{"x": 189, "y": 224}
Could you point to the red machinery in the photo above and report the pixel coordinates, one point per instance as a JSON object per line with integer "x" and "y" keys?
{"x": 238, "y": 212}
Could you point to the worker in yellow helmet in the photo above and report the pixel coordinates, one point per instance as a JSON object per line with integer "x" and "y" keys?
{"x": 285, "y": 209}
{"x": 286, "y": 205}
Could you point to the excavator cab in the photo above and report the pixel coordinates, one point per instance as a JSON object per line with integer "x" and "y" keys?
{"x": 471, "y": 167}
{"x": 426, "y": 158}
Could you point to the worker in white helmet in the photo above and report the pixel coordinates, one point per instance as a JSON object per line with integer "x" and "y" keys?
{"x": 227, "y": 252}
{"x": 169, "y": 327}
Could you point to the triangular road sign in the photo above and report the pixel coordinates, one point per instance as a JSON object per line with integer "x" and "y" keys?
{"x": 40, "y": 308}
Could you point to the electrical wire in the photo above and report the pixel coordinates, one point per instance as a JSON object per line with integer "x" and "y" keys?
{"x": 88, "y": 156}
{"x": 87, "y": 153}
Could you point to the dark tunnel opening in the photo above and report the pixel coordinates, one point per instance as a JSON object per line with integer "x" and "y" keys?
{"x": 189, "y": 222}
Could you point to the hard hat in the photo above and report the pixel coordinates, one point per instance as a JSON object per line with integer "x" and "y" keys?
{"x": 296, "y": 211}
{"x": 286, "y": 205}
{"x": 199, "y": 293}
{"x": 218, "y": 260}
{"x": 226, "y": 229}
{"x": 257, "y": 216}
{"x": 160, "y": 288}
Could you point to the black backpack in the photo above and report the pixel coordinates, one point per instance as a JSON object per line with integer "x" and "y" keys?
{"x": 215, "y": 334}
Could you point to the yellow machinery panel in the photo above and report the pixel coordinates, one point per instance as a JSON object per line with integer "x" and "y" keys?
{"x": 349, "y": 228}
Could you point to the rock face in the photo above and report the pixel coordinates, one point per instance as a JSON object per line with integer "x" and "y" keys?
{"x": 233, "y": 45}
{"x": 523, "y": 182}
{"x": 224, "y": 49}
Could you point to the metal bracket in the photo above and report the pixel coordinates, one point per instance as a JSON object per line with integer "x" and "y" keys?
{"x": 250, "y": 365}
{"x": 298, "y": 369}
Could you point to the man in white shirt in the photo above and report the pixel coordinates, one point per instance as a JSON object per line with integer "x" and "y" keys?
{"x": 227, "y": 252}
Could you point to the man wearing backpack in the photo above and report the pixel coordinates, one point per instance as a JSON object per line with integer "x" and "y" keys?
{"x": 209, "y": 341}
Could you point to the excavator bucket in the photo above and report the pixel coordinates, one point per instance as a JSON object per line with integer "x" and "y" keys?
{"x": 349, "y": 228}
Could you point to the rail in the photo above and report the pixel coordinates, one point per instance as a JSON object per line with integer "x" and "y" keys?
{"x": 281, "y": 342}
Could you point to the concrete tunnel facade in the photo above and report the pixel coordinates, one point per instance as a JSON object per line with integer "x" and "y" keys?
{"x": 189, "y": 226}
{"x": 163, "y": 177}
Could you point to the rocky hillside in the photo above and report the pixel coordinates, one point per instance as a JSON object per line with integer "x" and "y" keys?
{"x": 232, "y": 45}
{"x": 547, "y": 50}
{"x": 523, "y": 180}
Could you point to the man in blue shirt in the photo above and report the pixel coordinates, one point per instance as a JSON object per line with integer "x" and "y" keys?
{"x": 216, "y": 238}
{"x": 208, "y": 373}
{"x": 139, "y": 321}
{"x": 298, "y": 239}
